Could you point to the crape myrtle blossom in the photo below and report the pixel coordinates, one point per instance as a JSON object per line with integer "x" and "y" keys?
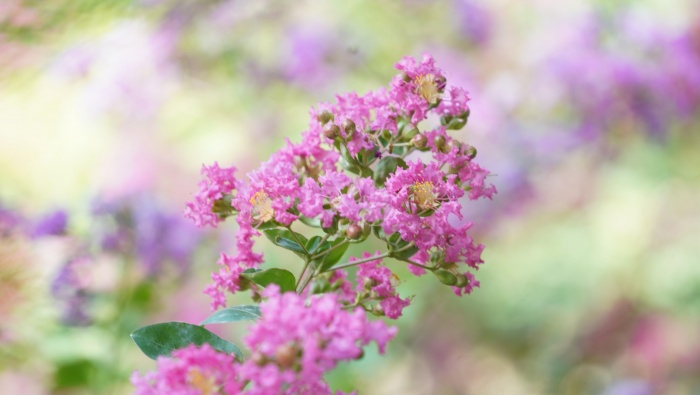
{"x": 353, "y": 176}
{"x": 349, "y": 175}
{"x": 191, "y": 370}
{"x": 295, "y": 342}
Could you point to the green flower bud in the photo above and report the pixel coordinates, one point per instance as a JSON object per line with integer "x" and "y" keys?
{"x": 331, "y": 130}
{"x": 452, "y": 144}
{"x": 324, "y": 117}
{"x": 471, "y": 152}
{"x": 349, "y": 127}
{"x": 439, "y": 142}
{"x": 369, "y": 283}
{"x": 354, "y": 232}
{"x": 462, "y": 280}
{"x": 445, "y": 277}
{"x": 419, "y": 141}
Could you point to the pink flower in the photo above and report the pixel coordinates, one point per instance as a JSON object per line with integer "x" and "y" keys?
{"x": 421, "y": 189}
{"x": 297, "y": 341}
{"x": 217, "y": 182}
{"x": 191, "y": 370}
{"x": 379, "y": 282}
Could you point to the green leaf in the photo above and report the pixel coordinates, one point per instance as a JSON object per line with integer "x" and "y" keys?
{"x": 313, "y": 243}
{"x": 386, "y": 167}
{"x": 312, "y": 222}
{"x": 285, "y": 239}
{"x": 329, "y": 260}
{"x": 233, "y": 314}
{"x": 162, "y": 339}
{"x": 284, "y": 278}
{"x": 405, "y": 254}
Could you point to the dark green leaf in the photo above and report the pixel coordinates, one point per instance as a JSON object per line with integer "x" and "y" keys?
{"x": 233, "y": 314}
{"x": 313, "y": 243}
{"x": 329, "y": 260}
{"x": 284, "y": 278}
{"x": 405, "y": 254}
{"x": 285, "y": 239}
{"x": 163, "y": 339}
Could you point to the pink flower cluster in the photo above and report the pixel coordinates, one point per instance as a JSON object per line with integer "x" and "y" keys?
{"x": 353, "y": 172}
{"x": 294, "y": 343}
{"x": 191, "y": 371}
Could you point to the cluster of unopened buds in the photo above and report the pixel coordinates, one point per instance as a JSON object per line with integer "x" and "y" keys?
{"x": 369, "y": 166}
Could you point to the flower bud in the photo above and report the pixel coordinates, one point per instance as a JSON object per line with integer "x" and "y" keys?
{"x": 452, "y": 144}
{"x": 331, "y": 130}
{"x": 471, "y": 152}
{"x": 348, "y": 127}
{"x": 258, "y": 358}
{"x": 439, "y": 142}
{"x": 324, "y": 117}
{"x": 369, "y": 283}
{"x": 419, "y": 141}
{"x": 445, "y": 277}
{"x": 462, "y": 281}
{"x": 285, "y": 355}
{"x": 354, "y": 232}
{"x": 410, "y": 131}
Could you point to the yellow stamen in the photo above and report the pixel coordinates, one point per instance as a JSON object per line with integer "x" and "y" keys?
{"x": 423, "y": 195}
{"x": 427, "y": 88}
{"x": 262, "y": 207}
{"x": 206, "y": 384}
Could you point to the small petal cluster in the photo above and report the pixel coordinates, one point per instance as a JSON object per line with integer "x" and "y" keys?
{"x": 296, "y": 341}
{"x": 191, "y": 371}
{"x": 377, "y": 282}
{"x": 217, "y": 182}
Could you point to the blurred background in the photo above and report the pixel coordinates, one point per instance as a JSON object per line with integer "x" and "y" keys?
{"x": 586, "y": 112}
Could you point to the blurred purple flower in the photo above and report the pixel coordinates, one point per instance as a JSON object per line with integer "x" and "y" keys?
{"x": 69, "y": 289}
{"x": 629, "y": 387}
{"x": 474, "y": 21}
{"x": 138, "y": 226}
{"x": 51, "y": 224}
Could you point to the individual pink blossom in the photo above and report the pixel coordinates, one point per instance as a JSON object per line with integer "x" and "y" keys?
{"x": 217, "y": 182}
{"x": 191, "y": 371}
{"x": 423, "y": 188}
{"x": 380, "y": 282}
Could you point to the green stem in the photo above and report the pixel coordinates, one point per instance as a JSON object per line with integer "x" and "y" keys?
{"x": 303, "y": 271}
{"x": 357, "y": 262}
{"x": 406, "y": 247}
{"x": 304, "y": 283}
{"x": 324, "y": 252}
{"x": 414, "y": 263}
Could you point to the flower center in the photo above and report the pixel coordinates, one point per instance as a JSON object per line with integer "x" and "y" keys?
{"x": 262, "y": 207}
{"x": 423, "y": 195}
{"x": 427, "y": 87}
{"x": 206, "y": 384}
